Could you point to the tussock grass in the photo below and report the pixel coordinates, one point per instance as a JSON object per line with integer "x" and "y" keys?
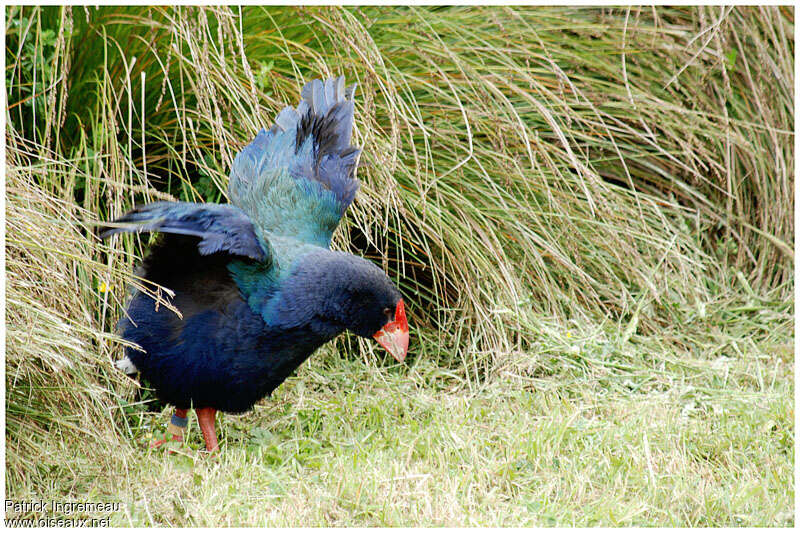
{"x": 589, "y": 211}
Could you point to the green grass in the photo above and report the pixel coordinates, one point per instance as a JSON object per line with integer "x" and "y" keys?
{"x": 589, "y": 212}
{"x": 345, "y": 443}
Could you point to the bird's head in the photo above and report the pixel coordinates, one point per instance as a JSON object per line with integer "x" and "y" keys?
{"x": 370, "y": 305}
{"x": 349, "y": 292}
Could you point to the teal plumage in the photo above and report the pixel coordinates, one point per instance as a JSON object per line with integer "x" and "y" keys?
{"x": 296, "y": 180}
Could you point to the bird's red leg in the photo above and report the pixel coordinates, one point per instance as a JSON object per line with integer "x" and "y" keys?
{"x": 205, "y": 417}
{"x": 176, "y": 427}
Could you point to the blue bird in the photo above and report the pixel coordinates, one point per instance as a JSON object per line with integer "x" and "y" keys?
{"x": 255, "y": 281}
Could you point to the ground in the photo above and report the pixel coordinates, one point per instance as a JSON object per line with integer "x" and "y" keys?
{"x": 348, "y": 443}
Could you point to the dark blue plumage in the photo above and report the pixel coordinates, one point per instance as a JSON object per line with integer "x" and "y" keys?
{"x": 221, "y": 228}
{"x": 221, "y": 353}
{"x": 257, "y": 287}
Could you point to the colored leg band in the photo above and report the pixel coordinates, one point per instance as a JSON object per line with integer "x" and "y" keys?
{"x": 177, "y": 425}
{"x": 179, "y": 421}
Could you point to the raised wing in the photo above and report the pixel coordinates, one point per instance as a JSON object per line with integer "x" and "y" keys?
{"x": 221, "y": 228}
{"x": 297, "y": 179}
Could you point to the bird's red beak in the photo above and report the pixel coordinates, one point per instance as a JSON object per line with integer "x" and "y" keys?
{"x": 394, "y": 335}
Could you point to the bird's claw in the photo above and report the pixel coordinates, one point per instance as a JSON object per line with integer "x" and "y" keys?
{"x": 159, "y": 443}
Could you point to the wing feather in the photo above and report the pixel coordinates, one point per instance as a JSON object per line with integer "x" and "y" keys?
{"x": 298, "y": 178}
{"x": 221, "y": 228}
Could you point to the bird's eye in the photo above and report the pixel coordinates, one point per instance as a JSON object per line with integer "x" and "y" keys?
{"x": 388, "y": 312}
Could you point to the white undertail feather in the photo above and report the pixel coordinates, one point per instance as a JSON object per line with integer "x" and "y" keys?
{"x": 127, "y": 366}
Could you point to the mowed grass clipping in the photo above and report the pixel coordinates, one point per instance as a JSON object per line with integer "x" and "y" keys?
{"x": 589, "y": 212}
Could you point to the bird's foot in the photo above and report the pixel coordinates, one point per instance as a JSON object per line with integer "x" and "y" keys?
{"x": 176, "y": 428}
{"x": 161, "y": 442}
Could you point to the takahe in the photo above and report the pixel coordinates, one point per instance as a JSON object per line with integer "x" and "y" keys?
{"x": 256, "y": 284}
